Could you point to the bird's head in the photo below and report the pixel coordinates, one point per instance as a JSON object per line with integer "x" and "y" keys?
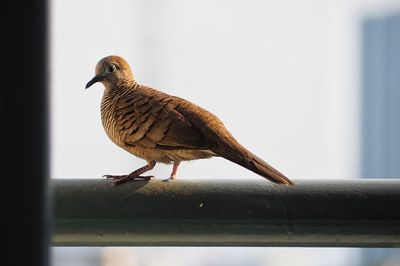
{"x": 112, "y": 70}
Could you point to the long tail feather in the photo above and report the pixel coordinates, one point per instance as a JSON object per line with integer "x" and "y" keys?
{"x": 240, "y": 155}
{"x": 267, "y": 171}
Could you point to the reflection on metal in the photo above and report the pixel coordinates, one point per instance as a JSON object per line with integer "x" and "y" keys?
{"x": 227, "y": 213}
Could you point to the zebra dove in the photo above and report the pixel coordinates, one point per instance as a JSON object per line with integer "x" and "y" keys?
{"x": 158, "y": 127}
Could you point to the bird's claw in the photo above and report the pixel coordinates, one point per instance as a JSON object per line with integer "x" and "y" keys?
{"x": 117, "y": 180}
{"x": 114, "y": 177}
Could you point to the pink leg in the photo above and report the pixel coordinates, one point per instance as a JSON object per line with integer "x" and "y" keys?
{"x": 174, "y": 170}
{"x": 135, "y": 175}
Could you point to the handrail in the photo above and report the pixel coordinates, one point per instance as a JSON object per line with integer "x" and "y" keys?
{"x": 331, "y": 213}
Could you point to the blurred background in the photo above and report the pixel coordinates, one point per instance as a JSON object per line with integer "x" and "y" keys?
{"x": 311, "y": 86}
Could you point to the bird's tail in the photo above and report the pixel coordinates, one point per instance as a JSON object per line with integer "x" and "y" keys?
{"x": 255, "y": 164}
{"x": 264, "y": 169}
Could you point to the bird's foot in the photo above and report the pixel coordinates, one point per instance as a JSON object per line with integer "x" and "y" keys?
{"x": 115, "y": 177}
{"x": 129, "y": 178}
{"x": 120, "y": 179}
{"x": 134, "y": 176}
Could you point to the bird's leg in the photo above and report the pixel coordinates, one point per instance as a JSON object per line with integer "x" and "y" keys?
{"x": 135, "y": 175}
{"x": 174, "y": 170}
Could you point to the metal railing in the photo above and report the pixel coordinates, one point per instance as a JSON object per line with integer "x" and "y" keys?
{"x": 332, "y": 213}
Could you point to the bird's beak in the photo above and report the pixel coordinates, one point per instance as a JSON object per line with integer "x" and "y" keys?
{"x": 93, "y": 81}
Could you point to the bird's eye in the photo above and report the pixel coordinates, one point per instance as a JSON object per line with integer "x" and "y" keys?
{"x": 111, "y": 68}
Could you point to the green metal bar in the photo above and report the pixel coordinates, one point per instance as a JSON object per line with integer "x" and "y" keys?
{"x": 332, "y": 213}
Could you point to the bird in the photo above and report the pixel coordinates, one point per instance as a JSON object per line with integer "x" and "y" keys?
{"x": 161, "y": 128}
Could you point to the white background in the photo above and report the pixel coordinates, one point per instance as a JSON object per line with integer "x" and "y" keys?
{"x": 282, "y": 75}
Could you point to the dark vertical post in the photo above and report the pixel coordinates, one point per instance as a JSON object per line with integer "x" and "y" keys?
{"x": 24, "y": 130}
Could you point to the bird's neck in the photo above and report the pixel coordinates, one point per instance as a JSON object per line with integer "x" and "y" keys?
{"x": 120, "y": 86}
{"x": 116, "y": 90}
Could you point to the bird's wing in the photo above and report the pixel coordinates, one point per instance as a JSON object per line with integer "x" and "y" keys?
{"x": 153, "y": 121}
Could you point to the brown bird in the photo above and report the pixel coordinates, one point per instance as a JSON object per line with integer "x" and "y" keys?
{"x": 158, "y": 127}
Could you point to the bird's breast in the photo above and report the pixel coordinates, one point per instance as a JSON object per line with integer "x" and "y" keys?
{"x": 108, "y": 119}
